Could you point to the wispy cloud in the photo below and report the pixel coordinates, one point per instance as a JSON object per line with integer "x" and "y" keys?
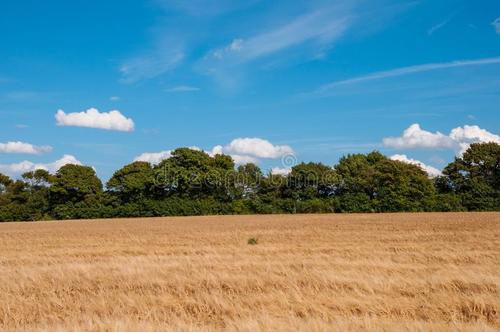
{"x": 26, "y": 96}
{"x": 305, "y": 32}
{"x": 438, "y": 26}
{"x": 205, "y": 7}
{"x": 496, "y": 24}
{"x": 150, "y": 65}
{"x": 183, "y": 88}
{"x": 174, "y": 39}
{"x": 442, "y": 24}
{"x": 322, "y": 26}
{"x": 407, "y": 71}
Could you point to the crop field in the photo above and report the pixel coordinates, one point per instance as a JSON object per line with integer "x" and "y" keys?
{"x": 377, "y": 272}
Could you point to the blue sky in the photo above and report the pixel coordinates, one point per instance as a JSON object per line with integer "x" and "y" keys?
{"x": 264, "y": 81}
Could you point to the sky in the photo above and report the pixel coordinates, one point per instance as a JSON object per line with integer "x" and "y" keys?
{"x": 104, "y": 83}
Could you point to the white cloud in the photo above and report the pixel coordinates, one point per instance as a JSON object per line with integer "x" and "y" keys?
{"x": 414, "y": 137}
{"x": 242, "y": 150}
{"x": 205, "y": 7}
{"x": 438, "y": 26}
{"x": 183, "y": 88}
{"x": 458, "y": 139}
{"x": 237, "y": 158}
{"x": 114, "y": 98}
{"x": 432, "y": 171}
{"x": 467, "y": 135}
{"x": 21, "y": 147}
{"x": 441, "y": 24}
{"x": 407, "y": 71}
{"x": 280, "y": 171}
{"x": 235, "y": 46}
{"x": 156, "y": 63}
{"x": 241, "y": 160}
{"x": 17, "y": 169}
{"x": 496, "y": 24}
{"x": 322, "y": 26}
{"x": 257, "y": 147}
{"x": 92, "y": 118}
{"x": 154, "y": 157}
{"x": 249, "y": 150}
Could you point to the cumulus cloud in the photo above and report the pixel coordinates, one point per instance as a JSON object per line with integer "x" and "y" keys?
{"x": 156, "y": 157}
{"x": 415, "y": 137}
{"x": 256, "y": 147}
{"x": 467, "y": 135}
{"x": 237, "y": 158}
{"x": 21, "y": 147}
{"x": 17, "y": 169}
{"x": 241, "y": 160}
{"x": 280, "y": 171}
{"x": 432, "y": 171}
{"x": 242, "y": 150}
{"x": 249, "y": 150}
{"x": 92, "y": 118}
{"x": 496, "y": 24}
{"x": 458, "y": 139}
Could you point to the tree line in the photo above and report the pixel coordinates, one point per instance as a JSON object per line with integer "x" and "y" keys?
{"x": 192, "y": 182}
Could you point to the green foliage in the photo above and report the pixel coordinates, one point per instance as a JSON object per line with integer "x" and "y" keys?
{"x": 73, "y": 183}
{"x": 376, "y": 183}
{"x": 194, "y": 174}
{"x": 253, "y": 241}
{"x": 475, "y": 177}
{"x": 133, "y": 181}
{"x": 192, "y": 182}
{"x": 311, "y": 181}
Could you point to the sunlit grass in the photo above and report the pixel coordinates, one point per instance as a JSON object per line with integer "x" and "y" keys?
{"x": 308, "y": 272}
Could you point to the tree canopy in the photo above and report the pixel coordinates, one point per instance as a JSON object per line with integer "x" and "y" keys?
{"x": 191, "y": 182}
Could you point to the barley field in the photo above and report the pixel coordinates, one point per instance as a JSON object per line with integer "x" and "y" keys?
{"x": 377, "y": 272}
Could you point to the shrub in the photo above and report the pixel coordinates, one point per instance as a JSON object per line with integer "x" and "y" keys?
{"x": 253, "y": 241}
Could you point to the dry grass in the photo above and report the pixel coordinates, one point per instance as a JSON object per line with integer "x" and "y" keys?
{"x": 307, "y": 272}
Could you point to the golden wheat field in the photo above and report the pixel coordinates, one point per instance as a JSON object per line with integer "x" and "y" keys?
{"x": 377, "y": 272}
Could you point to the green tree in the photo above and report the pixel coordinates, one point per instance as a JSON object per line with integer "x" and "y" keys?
{"x": 310, "y": 181}
{"x": 74, "y": 183}
{"x": 402, "y": 187}
{"x": 5, "y": 181}
{"x": 194, "y": 174}
{"x": 37, "y": 179}
{"x": 133, "y": 181}
{"x": 475, "y": 177}
{"x": 374, "y": 182}
{"x": 248, "y": 181}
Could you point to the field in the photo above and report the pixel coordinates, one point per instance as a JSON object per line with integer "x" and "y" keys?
{"x": 373, "y": 272}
